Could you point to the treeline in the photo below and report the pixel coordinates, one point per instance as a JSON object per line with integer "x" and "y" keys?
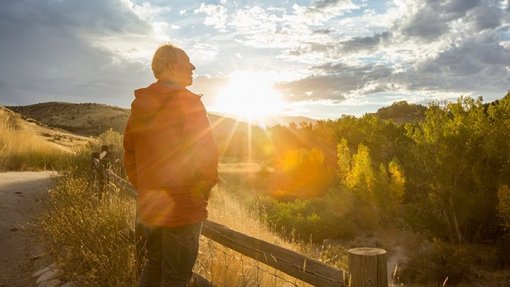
{"x": 444, "y": 173}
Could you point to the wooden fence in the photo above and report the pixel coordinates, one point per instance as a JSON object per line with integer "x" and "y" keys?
{"x": 297, "y": 265}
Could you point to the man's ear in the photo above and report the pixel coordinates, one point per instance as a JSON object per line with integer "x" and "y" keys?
{"x": 171, "y": 68}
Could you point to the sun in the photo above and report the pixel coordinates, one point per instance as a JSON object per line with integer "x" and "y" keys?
{"x": 249, "y": 96}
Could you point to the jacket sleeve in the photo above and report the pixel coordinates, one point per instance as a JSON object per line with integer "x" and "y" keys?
{"x": 202, "y": 147}
{"x": 129, "y": 154}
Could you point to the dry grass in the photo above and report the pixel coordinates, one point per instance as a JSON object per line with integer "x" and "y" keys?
{"x": 20, "y": 149}
{"x": 226, "y": 209}
{"x": 91, "y": 238}
{"x": 225, "y": 267}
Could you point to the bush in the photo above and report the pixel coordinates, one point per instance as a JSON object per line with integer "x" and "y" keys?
{"x": 433, "y": 262}
{"x": 330, "y": 217}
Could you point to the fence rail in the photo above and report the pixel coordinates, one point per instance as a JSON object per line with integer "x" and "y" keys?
{"x": 297, "y": 265}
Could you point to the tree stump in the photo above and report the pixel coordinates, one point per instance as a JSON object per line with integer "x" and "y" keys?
{"x": 367, "y": 267}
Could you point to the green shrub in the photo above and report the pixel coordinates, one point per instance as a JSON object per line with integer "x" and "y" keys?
{"x": 329, "y": 217}
{"x": 433, "y": 262}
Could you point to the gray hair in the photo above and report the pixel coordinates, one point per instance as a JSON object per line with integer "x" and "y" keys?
{"x": 166, "y": 54}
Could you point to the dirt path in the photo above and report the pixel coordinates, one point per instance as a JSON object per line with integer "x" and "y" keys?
{"x": 20, "y": 201}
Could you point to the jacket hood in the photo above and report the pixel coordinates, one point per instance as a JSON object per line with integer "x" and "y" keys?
{"x": 149, "y": 100}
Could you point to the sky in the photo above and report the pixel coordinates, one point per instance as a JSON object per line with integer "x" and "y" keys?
{"x": 314, "y": 58}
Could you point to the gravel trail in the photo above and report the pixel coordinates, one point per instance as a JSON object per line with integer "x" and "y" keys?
{"x": 21, "y": 255}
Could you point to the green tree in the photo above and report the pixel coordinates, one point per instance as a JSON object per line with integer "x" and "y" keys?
{"x": 390, "y": 190}
{"x": 452, "y": 173}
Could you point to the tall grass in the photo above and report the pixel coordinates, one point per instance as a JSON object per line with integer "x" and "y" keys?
{"x": 90, "y": 236}
{"x": 225, "y": 208}
{"x": 225, "y": 267}
{"x": 22, "y": 150}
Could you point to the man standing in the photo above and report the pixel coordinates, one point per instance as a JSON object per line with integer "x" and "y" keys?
{"x": 172, "y": 160}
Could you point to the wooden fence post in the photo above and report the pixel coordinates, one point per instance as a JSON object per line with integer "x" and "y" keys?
{"x": 367, "y": 267}
{"x": 98, "y": 174}
{"x": 104, "y": 165}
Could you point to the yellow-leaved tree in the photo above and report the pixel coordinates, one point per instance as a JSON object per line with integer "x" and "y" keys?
{"x": 361, "y": 177}
{"x": 379, "y": 190}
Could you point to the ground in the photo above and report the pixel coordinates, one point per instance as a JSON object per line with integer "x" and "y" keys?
{"x": 21, "y": 194}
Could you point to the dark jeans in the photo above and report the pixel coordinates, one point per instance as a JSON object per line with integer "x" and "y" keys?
{"x": 171, "y": 255}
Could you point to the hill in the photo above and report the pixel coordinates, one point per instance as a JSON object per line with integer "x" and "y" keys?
{"x": 83, "y": 119}
{"x": 53, "y": 136}
{"x": 402, "y": 112}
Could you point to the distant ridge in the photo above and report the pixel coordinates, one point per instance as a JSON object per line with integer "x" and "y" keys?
{"x": 402, "y": 112}
{"x": 269, "y": 121}
{"x": 90, "y": 119}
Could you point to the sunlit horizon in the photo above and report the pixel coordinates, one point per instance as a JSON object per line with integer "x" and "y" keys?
{"x": 249, "y": 96}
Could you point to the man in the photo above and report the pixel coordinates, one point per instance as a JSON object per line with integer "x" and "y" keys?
{"x": 172, "y": 160}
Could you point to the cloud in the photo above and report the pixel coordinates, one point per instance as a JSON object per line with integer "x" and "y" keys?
{"x": 275, "y": 27}
{"x": 148, "y": 10}
{"x": 337, "y": 82}
{"x": 433, "y": 19}
{"x": 485, "y": 17}
{"x": 475, "y": 65}
{"x": 97, "y": 15}
{"x": 321, "y": 11}
{"x": 368, "y": 43}
{"x": 49, "y": 53}
{"x": 460, "y": 49}
{"x": 479, "y": 64}
{"x": 203, "y": 52}
{"x": 216, "y": 15}
{"x": 262, "y": 28}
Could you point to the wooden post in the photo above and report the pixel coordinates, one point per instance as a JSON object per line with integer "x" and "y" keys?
{"x": 104, "y": 163}
{"x": 95, "y": 168}
{"x": 367, "y": 267}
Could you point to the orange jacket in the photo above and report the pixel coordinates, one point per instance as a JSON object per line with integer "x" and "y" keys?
{"x": 170, "y": 155}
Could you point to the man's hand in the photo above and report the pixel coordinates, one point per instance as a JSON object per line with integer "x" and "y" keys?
{"x": 202, "y": 188}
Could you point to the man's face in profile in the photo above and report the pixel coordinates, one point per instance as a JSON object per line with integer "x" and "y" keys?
{"x": 182, "y": 69}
